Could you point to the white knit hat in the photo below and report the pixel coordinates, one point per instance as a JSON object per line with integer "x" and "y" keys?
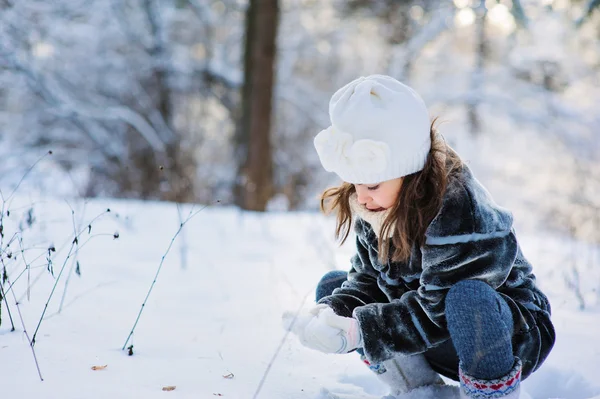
{"x": 379, "y": 131}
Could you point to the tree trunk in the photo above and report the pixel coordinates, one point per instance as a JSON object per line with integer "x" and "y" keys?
{"x": 254, "y": 186}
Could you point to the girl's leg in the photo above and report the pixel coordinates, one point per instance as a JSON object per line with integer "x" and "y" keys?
{"x": 329, "y": 282}
{"x": 481, "y": 328}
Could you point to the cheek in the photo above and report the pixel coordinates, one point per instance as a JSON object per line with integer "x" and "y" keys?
{"x": 386, "y": 200}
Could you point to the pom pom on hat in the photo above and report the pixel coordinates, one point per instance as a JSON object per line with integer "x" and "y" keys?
{"x": 379, "y": 131}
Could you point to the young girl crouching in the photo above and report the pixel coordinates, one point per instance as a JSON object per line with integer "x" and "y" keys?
{"x": 439, "y": 284}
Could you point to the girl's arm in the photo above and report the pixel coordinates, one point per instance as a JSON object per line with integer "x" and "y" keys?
{"x": 416, "y": 321}
{"x": 360, "y": 289}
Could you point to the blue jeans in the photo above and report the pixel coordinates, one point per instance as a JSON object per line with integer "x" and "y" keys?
{"x": 480, "y": 325}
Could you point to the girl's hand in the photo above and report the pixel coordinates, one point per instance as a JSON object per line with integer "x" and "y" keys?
{"x": 321, "y": 329}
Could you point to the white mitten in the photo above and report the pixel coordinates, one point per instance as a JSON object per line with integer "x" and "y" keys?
{"x": 295, "y": 322}
{"x": 321, "y": 329}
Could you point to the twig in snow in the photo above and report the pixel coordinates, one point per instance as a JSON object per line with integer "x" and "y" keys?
{"x": 74, "y": 244}
{"x": 4, "y": 277}
{"x": 3, "y": 294}
{"x": 23, "y": 323}
{"x": 264, "y": 377}
{"x": 75, "y": 261}
{"x": 21, "y": 181}
{"x": 181, "y": 224}
{"x": 183, "y": 246}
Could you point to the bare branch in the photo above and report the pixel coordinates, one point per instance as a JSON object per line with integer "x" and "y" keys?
{"x": 67, "y": 107}
{"x": 406, "y": 53}
{"x": 181, "y": 225}
{"x": 203, "y": 11}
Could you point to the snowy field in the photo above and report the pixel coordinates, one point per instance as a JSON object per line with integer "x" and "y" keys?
{"x": 212, "y": 324}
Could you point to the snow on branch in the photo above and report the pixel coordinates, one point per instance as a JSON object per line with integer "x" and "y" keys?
{"x": 64, "y": 105}
{"x": 406, "y": 53}
{"x": 203, "y": 11}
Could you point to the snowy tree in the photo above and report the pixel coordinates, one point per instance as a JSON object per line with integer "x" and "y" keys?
{"x": 120, "y": 90}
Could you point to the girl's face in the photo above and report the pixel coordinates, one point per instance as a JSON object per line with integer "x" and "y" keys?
{"x": 379, "y": 197}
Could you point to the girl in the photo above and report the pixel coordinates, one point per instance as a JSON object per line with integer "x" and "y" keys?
{"x": 439, "y": 283}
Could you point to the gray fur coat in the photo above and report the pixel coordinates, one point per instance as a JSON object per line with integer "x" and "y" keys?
{"x": 400, "y": 306}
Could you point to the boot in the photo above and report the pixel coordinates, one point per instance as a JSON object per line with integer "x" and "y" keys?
{"x": 404, "y": 373}
{"x": 507, "y": 387}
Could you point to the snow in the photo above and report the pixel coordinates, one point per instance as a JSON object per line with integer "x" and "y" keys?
{"x": 438, "y": 392}
{"x": 212, "y": 323}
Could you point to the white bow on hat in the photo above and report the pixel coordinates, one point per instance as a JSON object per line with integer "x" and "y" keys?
{"x": 339, "y": 151}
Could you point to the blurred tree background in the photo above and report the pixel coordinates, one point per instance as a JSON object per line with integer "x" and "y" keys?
{"x": 199, "y": 100}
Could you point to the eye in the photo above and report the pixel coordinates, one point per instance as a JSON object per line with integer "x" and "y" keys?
{"x": 373, "y": 188}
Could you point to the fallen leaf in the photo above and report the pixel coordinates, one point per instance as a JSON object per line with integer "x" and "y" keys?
{"x": 169, "y": 388}
{"x": 228, "y": 376}
{"x": 99, "y": 367}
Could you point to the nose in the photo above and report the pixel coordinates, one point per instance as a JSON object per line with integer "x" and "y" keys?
{"x": 362, "y": 195}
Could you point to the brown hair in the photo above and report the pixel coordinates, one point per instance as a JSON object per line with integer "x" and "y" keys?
{"x": 419, "y": 201}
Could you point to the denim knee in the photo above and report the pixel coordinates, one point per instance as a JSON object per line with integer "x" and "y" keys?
{"x": 481, "y": 326}
{"x": 469, "y": 295}
{"x": 329, "y": 282}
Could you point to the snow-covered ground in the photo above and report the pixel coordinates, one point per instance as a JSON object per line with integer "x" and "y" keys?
{"x": 212, "y": 324}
